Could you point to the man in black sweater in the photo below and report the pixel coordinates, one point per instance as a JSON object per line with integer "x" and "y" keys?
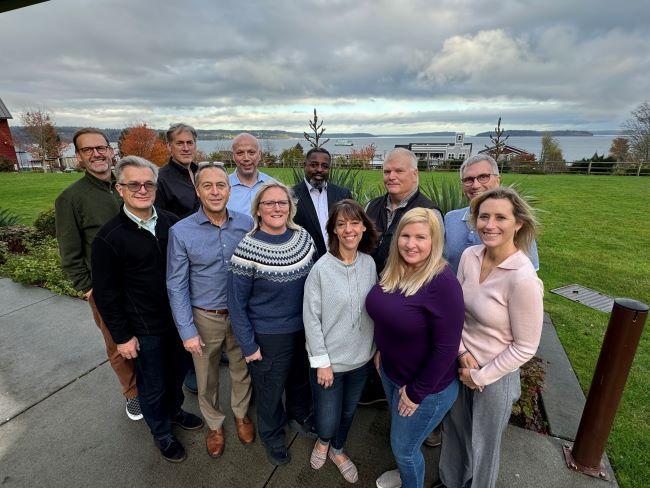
{"x": 128, "y": 271}
{"x": 316, "y": 196}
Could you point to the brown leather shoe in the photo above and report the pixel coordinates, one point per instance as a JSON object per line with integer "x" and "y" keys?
{"x": 245, "y": 430}
{"x": 215, "y": 442}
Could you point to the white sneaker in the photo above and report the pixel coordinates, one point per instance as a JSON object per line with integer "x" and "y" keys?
{"x": 133, "y": 408}
{"x": 390, "y": 479}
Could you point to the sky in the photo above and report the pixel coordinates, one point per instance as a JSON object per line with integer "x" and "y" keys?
{"x": 384, "y": 67}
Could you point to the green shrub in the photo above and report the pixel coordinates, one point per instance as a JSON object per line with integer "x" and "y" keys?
{"x": 527, "y": 411}
{"x": 18, "y": 237}
{"x": 448, "y": 195}
{"x": 8, "y": 218}
{"x": 45, "y": 223}
{"x": 4, "y": 252}
{"x": 40, "y": 266}
{"x": 6, "y": 165}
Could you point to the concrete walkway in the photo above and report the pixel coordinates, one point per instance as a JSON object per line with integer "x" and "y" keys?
{"x": 62, "y": 421}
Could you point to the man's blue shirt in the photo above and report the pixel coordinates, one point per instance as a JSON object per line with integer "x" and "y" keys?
{"x": 198, "y": 257}
{"x": 459, "y": 235}
{"x": 241, "y": 196}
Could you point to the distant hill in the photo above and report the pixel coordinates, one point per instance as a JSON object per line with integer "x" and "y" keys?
{"x": 533, "y": 133}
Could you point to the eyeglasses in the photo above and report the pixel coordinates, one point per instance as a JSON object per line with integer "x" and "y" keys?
{"x": 87, "y": 151}
{"x": 135, "y": 186}
{"x": 469, "y": 180}
{"x": 272, "y": 203}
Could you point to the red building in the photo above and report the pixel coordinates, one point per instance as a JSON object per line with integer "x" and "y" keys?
{"x": 7, "y": 148}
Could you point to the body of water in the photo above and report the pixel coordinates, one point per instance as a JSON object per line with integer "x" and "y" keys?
{"x": 573, "y": 148}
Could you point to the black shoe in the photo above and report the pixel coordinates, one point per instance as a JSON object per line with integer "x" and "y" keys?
{"x": 186, "y": 420}
{"x": 224, "y": 358}
{"x": 278, "y": 456}
{"x": 170, "y": 449}
{"x": 304, "y": 429}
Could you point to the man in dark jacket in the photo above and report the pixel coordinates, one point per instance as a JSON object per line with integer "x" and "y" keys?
{"x": 81, "y": 210}
{"x": 129, "y": 264}
{"x": 316, "y": 196}
{"x": 402, "y": 194}
{"x": 176, "y": 192}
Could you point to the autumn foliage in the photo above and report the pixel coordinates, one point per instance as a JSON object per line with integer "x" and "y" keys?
{"x": 42, "y": 140}
{"x": 363, "y": 156}
{"x": 145, "y": 142}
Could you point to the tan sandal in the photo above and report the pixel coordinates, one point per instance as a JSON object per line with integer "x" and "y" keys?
{"x": 318, "y": 458}
{"x": 347, "y": 469}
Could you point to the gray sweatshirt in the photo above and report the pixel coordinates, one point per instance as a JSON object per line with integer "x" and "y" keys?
{"x": 338, "y": 329}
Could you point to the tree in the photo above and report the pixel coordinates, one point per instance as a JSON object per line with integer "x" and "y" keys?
{"x": 498, "y": 142}
{"x": 363, "y": 155}
{"x": 145, "y": 142}
{"x": 292, "y": 156}
{"x": 638, "y": 131}
{"x": 620, "y": 149}
{"x": 551, "y": 151}
{"x": 42, "y": 140}
{"x": 315, "y": 126}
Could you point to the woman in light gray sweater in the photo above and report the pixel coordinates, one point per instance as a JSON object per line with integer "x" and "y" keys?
{"x": 339, "y": 331}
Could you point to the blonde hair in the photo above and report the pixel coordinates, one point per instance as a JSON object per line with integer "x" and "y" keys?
{"x": 258, "y": 198}
{"x": 523, "y": 213}
{"x": 395, "y": 277}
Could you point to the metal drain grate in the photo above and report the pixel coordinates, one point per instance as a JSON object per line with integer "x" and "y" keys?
{"x": 586, "y": 296}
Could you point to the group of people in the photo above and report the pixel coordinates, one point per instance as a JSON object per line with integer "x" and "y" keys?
{"x": 311, "y": 298}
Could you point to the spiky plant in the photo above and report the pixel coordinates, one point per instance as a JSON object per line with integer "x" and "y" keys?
{"x": 348, "y": 178}
{"x": 8, "y": 218}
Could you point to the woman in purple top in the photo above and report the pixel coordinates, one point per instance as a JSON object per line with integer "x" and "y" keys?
{"x": 418, "y": 312}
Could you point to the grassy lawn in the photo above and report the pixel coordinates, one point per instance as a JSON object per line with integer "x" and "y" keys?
{"x": 596, "y": 232}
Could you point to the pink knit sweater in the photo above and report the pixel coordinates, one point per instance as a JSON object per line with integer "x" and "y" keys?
{"x": 503, "y": 315}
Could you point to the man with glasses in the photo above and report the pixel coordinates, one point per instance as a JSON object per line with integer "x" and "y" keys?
{"x": 246, "y": 180}
{"x": 478, "y": 174}
{"x": 176, "y": 192}
{"x": 316, "y": 196}
{"x": 129, "y": 257}
{"x": 81, "y": 210}
{"x": 199, "y": 252}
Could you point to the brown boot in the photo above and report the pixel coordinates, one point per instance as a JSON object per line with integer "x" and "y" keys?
{"x": 215, "y": 442}
{"x": 245, "y": 430}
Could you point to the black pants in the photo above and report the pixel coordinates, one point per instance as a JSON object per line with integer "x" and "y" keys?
{"x": 284, "y": 368}
{"x": 160, "y": 369}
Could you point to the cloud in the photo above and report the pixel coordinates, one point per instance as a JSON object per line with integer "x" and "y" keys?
{"x": 229, "y": 63}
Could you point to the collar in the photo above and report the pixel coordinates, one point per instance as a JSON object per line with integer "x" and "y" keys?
{"x": 310, "y": 187}
{"x": 465, "y": 217}
{"x": 101, "y": 183}
{"x": 234, "y": 179}
{"x": 515, "y": 261}
{"x": 151, "y": 221}
{"x": 202, "y": 218}
{"x": 178, "y": 166}
{"x": 403, "y": 203}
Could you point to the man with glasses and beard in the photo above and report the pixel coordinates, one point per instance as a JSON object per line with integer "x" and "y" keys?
{"x": 81, "y": 210}
{"x": 316, "y": 195}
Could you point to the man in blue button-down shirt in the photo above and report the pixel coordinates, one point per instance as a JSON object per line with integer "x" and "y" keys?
{"x": 478, "y": 174}
{"x": 199, "y": 251}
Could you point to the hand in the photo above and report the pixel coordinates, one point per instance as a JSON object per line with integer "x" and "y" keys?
{"x": 88, "y": 294}
{"x": 377, "y": 360}
{"x": 406, "y": 407}
{"x": 256, "y": 356}
{"x": 468, "y": 361}
{"x": 129, "y": 349}
{"x": 467, "y": 380}
{"x": 193, "y": 345}
{"x": 325, "y": 376}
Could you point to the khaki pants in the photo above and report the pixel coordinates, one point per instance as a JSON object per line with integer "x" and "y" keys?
{"x": 124, "y": 368}
{"x": 216, "y": 332}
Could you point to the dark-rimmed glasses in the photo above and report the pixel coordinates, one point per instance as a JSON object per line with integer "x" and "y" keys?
{"x": 272, "y": 203}
{"x": 87, "y": 151}
{"x": 469, "y": 180}
{"x": 135, "y": 187}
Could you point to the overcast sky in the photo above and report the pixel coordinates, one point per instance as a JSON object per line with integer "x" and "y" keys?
{"x": 367, "y": 65}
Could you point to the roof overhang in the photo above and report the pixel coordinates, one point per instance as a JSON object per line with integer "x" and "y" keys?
{"x": 6, "y": 5}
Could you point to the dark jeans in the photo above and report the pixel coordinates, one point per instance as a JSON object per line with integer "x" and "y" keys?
{"x": 284, "y": 368}
{"x": 334, "y": 407}
{"x": 160, "y": 368}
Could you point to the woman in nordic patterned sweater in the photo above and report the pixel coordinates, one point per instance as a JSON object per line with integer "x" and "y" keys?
{"x": 265, "y": 293}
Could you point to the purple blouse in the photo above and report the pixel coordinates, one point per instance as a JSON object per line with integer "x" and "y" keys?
{"x": 418, "y": 336}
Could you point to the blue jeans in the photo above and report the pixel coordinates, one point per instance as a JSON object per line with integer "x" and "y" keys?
{"x": 334, "y": 407}
{"x": 159, "y": 369}
{"x": 408, "y": 433}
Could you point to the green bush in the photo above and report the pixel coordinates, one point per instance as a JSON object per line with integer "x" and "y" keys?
{"x": 6, "y": 165}
{"x": 8, "y": 218}
{"x": 18, "y": 237}
{"x": 40, "y": 266}
{"x": 447, "y": 196}
{"x": 45, "y": 223}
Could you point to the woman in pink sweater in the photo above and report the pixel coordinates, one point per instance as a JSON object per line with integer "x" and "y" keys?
{"x": 503, "y": 323}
